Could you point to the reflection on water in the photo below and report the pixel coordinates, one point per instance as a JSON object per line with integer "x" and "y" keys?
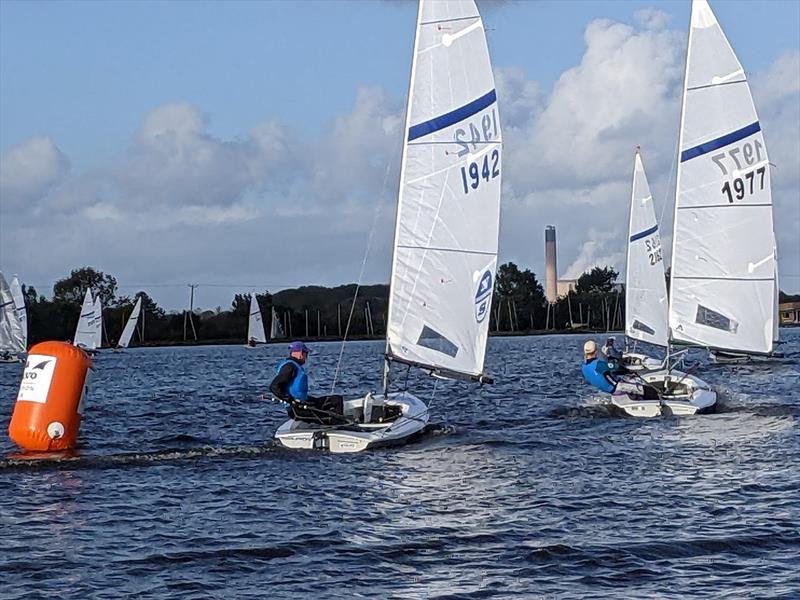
{"x": 528, "y": 486}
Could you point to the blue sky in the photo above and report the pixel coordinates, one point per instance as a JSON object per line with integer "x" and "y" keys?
{"x": 85, "y": 75}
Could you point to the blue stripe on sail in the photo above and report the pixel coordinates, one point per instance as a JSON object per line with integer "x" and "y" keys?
{"x": 720, "y": 142}
{"x": 645, "y": 233}
{"x": 451, "y": 118}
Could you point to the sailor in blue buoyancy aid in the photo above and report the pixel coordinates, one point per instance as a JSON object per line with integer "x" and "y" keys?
{"x": 290, "y": 385}
{"x": 597, "y": 373}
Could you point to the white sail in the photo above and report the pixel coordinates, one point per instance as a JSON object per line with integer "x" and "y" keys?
{"x": 445, "y": 246}
{"x": 12, "y": 338}
{"x": 776, "y": 313}
{"x": 130, "y": 326}
{"x": 98, "y": 323}
{"x": 645, "y": 287}
{"x": 19, "y": 305}
{"x": 255, "y": 325}
{"x": 85, "y": 334}
{"x": 722, "y": 289}
{"x": 276, "y": 330}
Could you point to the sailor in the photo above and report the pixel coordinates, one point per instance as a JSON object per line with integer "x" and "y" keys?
{"x": 597, "y": 373}
{"x": 613, "y": 357}
{"x": 290, "y": 385}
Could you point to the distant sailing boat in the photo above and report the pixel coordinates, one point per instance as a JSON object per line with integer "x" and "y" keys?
{"x": 98, "y": 323}
{"x": 255, "y": 324}
{"x": 275, "y": 330}
{"x": 85, "y": 332}
{"x": 12, "y": 336}
{"x": 130, "y": 325}
{"x": 645, "y": 284}
{"x": 446, "y": 233}
{"x": 722, "y": 293}
{"x": 19, "y": 305}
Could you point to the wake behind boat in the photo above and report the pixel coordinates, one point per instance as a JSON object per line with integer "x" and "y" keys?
{"x": 446, "y": 233}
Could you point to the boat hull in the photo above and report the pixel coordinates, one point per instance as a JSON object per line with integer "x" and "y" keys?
{"x": 359, "y": 436}
{"x": 693, "y": 396}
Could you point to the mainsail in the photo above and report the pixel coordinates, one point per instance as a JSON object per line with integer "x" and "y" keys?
{"x": 645, "y": 285}
{"x": 255, "y": 325}
{"x": 19, "y": 305}
{"x": 98, "y": 323}
{"x": 12, "y": 338}
{"x": 722, "y": 289}
{"x": 85, "y": 334}
{"x": 445, "y": 244}
{"x": 130, "y": 326}
{"x": 275, "y": 331}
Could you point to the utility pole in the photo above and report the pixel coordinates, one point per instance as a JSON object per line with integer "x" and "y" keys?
{"x": 339, "y": 317}
{"x": 190, "y": 314}
{"x": 319, "y": 329}
{"x": 306, "y": 311}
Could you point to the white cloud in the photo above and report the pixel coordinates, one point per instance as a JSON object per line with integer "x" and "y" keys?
{"x": 29, "y": 170}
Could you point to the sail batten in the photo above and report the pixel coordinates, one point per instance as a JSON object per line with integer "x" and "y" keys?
{"x": 445, "y": 246}
{"x": 723, "y": 258}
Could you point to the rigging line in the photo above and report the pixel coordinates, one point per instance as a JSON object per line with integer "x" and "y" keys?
{"x": 669, "y": 183}
{"x": 378, "y": 212}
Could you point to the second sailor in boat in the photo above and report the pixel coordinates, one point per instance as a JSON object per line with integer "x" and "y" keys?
{"x": 290, "y": 385}
{"x": 599, "y": 374}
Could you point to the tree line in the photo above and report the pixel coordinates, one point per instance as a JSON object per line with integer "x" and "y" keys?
{"x": 518, "y": 305}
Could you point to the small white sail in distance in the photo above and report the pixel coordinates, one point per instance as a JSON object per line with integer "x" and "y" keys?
{"x": 19, "y": 304}
{"x": 722, "y": 283}
{"x": 130, "y": 326}
{"x": 446, "y": 234}
{"x": 276, "y": 329}
{"x": 98, "y": 322}
{"x": 645, "y": 284}
{"x": 85, "y": 334}
{"x": 255, "y": 324}
{"x": 12, "y": 338}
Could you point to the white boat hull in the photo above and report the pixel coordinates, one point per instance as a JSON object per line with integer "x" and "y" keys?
{"x": 692, "y": 396}
{"x": 359, "y": 436}
{"x": 729, "y": 358}
{"x": 637, "y": 362}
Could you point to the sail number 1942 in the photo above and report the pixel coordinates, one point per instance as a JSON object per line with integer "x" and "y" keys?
{"x": 470, "y": 139}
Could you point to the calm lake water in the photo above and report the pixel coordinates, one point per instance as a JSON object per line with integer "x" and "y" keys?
{"x": 528, "y": 488}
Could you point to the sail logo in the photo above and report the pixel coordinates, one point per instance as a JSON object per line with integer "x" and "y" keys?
{"x": 483, "y": 297}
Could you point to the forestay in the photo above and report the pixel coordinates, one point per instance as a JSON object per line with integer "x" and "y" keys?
{"x": 723, "y": 264}
{"x": 255, "y": 326}
{"x": 85, "y": 335}
{"x": 130, "y": 326}
{"x": 445, "y": 248}
{"x": 19, "y": 305}
{"x": 12, "y": 338}
{"x": 645, "y": 287}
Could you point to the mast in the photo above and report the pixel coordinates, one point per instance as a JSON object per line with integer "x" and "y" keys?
{"x": 387, "y": 349}
{"x": 677, "y": 190}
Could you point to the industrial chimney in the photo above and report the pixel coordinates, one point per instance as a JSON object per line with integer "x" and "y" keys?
{"x": 550, "y": 269}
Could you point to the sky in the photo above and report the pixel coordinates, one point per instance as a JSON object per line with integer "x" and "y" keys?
{"x": 255, "y": 145}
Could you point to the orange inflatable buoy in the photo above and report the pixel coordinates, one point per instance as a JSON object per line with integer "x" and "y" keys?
{"x": 46, "y": 415}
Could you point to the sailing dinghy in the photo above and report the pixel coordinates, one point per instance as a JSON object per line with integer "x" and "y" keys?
{"x": 275, "y": 330}
{"x": 255, "y": 325}
{"x": 85, "y": 334}
{"x": 12, "y": 334}
{"x": 645, "y": 284}
{"x": 130, "y": 326}
{"x": 446, "y": 232}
